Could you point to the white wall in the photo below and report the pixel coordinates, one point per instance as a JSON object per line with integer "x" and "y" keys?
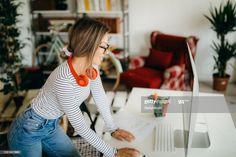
{"x": 179, "y": 17}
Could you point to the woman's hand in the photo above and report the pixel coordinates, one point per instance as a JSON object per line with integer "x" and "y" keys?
{"x": 128, "y": 152}
{"x": 121, "y": 134}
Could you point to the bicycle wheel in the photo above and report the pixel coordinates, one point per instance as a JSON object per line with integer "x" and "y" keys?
{"x": 40, "y": 59}
{"x": 116, "y": 65}
{"x": 36, "y": 59}
{"x": 47, "y": 55}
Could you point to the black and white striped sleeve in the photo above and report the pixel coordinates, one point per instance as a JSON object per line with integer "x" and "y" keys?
{"x": 67, "y": 101}
{"x": 101, "y": 102}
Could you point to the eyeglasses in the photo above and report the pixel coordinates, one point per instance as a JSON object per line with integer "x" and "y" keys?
{"x": 105, "y": 48}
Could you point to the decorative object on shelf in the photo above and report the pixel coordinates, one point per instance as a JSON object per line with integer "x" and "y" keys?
{"x": 223, "y": 21}
{"x": 106, "y": 66}
{"x": 61, "y": 5}
{"x": 160, "y": 104}
{"x": 118, "y": 52}
{"x": 43, "y": 4}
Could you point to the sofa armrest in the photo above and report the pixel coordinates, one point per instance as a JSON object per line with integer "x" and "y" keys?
{"x": 173, "y": 71}
{"x": 174, "y": 78}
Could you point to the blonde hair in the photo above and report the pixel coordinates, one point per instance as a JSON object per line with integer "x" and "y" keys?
{"x": 85, "y": 37}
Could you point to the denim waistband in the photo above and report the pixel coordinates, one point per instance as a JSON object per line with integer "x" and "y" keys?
{"x": 29, "y": 112}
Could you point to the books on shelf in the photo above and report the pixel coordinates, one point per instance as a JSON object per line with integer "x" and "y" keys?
{"x": 99, "y": 5}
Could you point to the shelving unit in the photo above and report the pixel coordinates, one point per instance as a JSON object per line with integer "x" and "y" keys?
{"x": 115, "y": 11}
{"x": 116, "y": 17}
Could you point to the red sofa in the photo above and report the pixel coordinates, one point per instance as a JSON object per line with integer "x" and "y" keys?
{"x": 167, "y": 52}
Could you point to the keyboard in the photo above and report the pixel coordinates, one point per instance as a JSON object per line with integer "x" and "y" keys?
{"x": 164, "y": 138}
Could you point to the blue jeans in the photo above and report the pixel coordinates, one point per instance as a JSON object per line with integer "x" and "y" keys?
{"x": 31, "y": 134}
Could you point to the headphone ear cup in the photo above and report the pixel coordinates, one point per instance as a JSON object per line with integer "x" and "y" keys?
{"x": 82, "y": 80}
{"x": 93, "y": 75}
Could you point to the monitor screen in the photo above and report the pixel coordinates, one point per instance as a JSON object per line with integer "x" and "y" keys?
{"x": 190, "y": 99}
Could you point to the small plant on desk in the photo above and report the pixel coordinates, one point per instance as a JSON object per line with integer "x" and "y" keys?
{"x": 160, "y": 104}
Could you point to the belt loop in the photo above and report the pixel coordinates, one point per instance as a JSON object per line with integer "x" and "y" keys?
{"x": 56, "y": 121}
{"x": 46, "y": 121}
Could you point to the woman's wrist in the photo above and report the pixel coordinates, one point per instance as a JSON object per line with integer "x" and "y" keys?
{"x": 114, "y": 131}
{"x": 116, "y": 151}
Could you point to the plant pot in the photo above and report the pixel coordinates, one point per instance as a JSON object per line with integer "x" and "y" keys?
{"x": 220, "y": 83}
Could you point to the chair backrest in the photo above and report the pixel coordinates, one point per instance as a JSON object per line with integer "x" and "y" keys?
{"x": 175, "y": 44}
{"x": 84, "y": 109}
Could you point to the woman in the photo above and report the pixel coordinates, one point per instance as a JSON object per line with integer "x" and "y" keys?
{"x": 37, "y": 129}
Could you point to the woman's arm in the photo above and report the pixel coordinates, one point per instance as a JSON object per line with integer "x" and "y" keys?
{"x": 100, "y": 99}
{"x": 101, "y": 102}
{"x": 66, "y": 98}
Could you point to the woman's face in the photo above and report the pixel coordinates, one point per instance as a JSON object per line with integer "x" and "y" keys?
{"x": 101, "y": 51}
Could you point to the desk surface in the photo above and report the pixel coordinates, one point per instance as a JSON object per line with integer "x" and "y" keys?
{"x": 222, "y": 133}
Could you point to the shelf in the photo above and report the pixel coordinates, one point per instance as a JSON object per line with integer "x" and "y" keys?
{"x": 48, "y": 33}
{"x": 115, "y": 34}
{"x": 115, "y": 17}
{"x": 66, "y": 33}
{"x": 57, "y": 13}
{"x": 126, "y": 12}
{"x": 100, "y": 13}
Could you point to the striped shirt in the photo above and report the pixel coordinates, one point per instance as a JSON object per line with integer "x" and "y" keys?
{"x": 62, "y": 95}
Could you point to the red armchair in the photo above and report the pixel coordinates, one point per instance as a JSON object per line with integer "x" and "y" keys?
{"x": 167, "y": 54}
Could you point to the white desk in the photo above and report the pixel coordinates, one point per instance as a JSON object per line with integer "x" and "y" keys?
{"x": 222, "y": 133}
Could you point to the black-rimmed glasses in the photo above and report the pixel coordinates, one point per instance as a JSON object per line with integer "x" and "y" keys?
{"x": 105, "y": 48}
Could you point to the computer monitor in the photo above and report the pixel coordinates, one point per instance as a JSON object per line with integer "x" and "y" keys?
{"x": 163, "y": 136}
{"x": 191, "y": 104}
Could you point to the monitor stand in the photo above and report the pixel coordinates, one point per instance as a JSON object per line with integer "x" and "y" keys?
{"x": 200, "y": 139}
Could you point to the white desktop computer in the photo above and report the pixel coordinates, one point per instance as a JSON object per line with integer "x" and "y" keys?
{"x": 192, "y": 137}
{"x": 172, "y": 135}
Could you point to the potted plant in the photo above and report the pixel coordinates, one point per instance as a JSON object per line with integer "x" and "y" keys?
{"x": 10, "y": 55}
{"x": 223, "y": 21}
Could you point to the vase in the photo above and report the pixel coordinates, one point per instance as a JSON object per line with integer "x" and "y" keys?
{"x": 220, "y": 83}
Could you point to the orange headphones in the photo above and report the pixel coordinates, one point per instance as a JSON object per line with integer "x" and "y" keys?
{"x": 82, "y": 80}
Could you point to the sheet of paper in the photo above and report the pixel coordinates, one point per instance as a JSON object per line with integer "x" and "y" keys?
{"x": 138, "y": 126}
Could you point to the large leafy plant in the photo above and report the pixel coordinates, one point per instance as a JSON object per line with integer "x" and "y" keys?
{"x": 10, "y": 55}
{"x": 223, "y": 21}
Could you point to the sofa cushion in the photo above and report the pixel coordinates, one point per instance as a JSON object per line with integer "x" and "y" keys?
{"x": 136, "y": 62}
{"x": 159, "y": 59}
{"x": 142, "y": 77}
